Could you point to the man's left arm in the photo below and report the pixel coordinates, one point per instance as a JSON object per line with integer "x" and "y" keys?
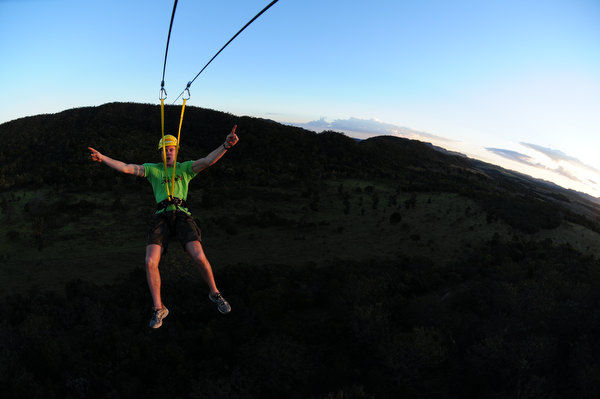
{"x": 215, "y": 155}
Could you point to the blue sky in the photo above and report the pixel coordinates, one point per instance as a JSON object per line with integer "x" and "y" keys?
{"x": 514, "y": 83}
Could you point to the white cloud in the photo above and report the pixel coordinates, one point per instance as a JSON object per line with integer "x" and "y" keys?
{"x": 559, "y": 156}
{"x": 363, "y": 128}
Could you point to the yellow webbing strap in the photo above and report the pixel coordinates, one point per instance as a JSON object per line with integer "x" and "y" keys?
{"x": 162, "y": 125}
{"x": 177, "y": 148}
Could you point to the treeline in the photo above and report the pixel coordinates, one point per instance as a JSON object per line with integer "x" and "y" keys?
{"x": 517, "y": 320}
{"x": 52, "y": 149}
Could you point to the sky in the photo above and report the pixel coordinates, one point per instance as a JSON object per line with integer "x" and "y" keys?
{"x": 512, "y": 82}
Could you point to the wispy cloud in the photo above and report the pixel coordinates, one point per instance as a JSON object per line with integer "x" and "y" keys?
{"x": 515, "y": 156}
{"x": 370, "y": 127}
{"x": 562, "y": 164}
{"x": 568, "y": 173}
{"x": 559, "y": 156}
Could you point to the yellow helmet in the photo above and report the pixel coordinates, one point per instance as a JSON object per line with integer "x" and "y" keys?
{"x": 169, "y": 141}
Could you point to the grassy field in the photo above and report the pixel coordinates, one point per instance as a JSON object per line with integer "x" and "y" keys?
{"x": 52, "y": 237}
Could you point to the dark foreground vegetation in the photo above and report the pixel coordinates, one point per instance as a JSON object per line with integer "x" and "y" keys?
{"x": 379, "y": 269}
{"x": 522, "y": 322}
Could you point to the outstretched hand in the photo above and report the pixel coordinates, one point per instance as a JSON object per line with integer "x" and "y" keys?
{"x": 95, "y": 155}
{"x": 232, "y": 138}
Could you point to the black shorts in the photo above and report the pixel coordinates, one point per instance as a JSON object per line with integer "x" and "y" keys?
{"x": 165, "y": 225}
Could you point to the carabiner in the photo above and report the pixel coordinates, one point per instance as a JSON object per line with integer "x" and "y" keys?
{"x": 160, "y": 96}
{"x": 187, "y": 88}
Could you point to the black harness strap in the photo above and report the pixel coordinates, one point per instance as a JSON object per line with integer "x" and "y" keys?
{"x": 178, "y": 202}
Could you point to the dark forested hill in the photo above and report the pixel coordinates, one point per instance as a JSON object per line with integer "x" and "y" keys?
{"x": 381, "y": 268}
{"x": 51, "y": 151}
{"x": 47, "y": 146}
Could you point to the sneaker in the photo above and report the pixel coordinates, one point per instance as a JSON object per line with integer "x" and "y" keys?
{"x": 158, "y": 316}
{"x": 222, "y": 304}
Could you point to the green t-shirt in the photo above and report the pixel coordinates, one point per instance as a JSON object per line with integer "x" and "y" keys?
{"x": 155, "y": 173}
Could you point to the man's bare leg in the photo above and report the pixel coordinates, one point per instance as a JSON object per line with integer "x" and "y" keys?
{"x": 153, "y": 253}
{"x": 194, "y": 248}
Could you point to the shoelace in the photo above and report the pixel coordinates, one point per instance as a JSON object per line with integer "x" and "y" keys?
{"x": 218, "y": 297}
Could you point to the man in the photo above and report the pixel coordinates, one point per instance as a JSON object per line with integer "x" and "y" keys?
{"x": 172, "y": 217}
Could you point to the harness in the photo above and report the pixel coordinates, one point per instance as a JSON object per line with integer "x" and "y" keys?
{"x": 178, "y": 202}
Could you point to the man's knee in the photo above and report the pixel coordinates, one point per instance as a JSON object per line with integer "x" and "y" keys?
{"x": 153, "y": 257}
{"x": 152, "y": 262}
{"x": 201, "y": 259}
{"x": 194, "y": 249}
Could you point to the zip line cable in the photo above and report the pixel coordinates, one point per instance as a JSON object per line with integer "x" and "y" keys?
{"x": 163, "y": 96}
{"x": 162, "y": 82}
{"x": 222, "y": 48}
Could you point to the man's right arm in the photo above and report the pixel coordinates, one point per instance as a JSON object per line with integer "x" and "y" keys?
{"x": 130, "y": 169}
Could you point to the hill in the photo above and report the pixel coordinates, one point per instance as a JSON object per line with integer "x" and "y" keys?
{"x": 379, "y": 268}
